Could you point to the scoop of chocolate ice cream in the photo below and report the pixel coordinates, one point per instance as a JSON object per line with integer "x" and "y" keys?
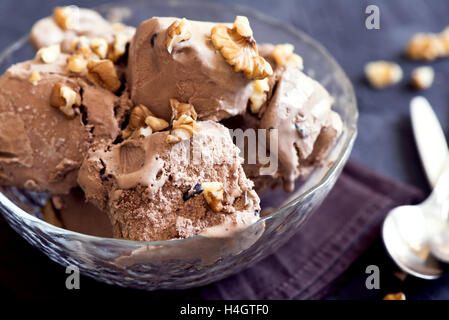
{"x": 194, "y": 72}
{"x": 300, "y": 109}
{"x": 154, "y": 190}
{"x": 40, "y": 148}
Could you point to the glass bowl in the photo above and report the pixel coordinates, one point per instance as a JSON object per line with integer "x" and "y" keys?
{"x": 178, "y": 264}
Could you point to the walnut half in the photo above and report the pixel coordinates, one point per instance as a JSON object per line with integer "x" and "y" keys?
{"x": 239, "y": 49}
{"x": 64, "y": 98}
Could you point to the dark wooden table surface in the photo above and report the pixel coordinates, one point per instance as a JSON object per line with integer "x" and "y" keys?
{"x": 385, "y": 140}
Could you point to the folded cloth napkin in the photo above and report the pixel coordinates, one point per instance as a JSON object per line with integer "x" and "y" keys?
{"x": 307, "y": 267}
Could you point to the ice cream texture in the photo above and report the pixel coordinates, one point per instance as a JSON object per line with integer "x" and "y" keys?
{"x": 194, "y": 72}
{"x": 134, "y": 127}
{"x": 40, "y": 149}
{"x": 157, "y": 191}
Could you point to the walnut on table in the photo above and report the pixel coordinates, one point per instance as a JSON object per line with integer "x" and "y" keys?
{"x": 423, "y": 77}
{"x": 382, "y": 74}
{"x": 428, "y": 46}
{"x": 395, "y": 296}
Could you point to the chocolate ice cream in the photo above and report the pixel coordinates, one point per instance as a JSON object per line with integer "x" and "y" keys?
{"x": 136, "y": 126}
{"x": 73, "y": 212}
{"x": 300, "y": 110}
{"x": 40, "y": 148}
{"x": 194, "y": 71}
{"x": 66, "y": 23}
{"x": 154, "y": 190}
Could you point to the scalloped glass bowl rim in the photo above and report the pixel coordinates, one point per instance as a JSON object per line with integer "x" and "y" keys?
{"x": 340, "y": 160}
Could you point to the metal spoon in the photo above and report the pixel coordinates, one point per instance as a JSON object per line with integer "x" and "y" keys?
{"x": 414, "y": 237}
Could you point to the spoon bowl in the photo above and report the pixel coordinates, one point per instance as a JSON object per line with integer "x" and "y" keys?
{"x": 405, "y": 237}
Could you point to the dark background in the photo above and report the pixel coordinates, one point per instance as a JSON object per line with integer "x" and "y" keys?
{"x": 385, "y": 141}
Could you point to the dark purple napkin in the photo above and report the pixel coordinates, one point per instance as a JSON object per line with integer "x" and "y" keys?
{"x": 307, "y": 267}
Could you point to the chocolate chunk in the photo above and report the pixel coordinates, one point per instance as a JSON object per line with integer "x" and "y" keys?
{"x": 153, "y": 37}
{"x": 196, "y": 190}
{"x": 302, "y": 132}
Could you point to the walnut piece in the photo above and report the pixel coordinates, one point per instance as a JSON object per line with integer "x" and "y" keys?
{"x": 213, "y": 193}
{"x": 79, "y": 42}
{"x": 76, "y": 63}
{"x": 179, "y": 108}
{"x": 142, "y": 123}
{"x": 382, "y": 74}
{"x": 284, "y": 53}
{"x": 118, "y": 47}
{"x": 141, "y": 132}
{"x": 239, "y": 49}
{"x": 259, "y": 95}
{"x": 429, "y": 46}
{"x": 66, "y": 17}
{"x": 104, "y": 74}
{"x": 422, "y": 77}
{"x": 118, "y": 26}
{"x": 99, "y": 46}
{"x": 425, "y": 46}
{"x": 64, "y": 98}
{"x": 179, "y": 30}
{"x": 444, "y": 39}
{"x": 49, "y": 54}
{"x": 184, "y": 124}
{"x": 395, "y": 296}
{"x": 156, "y": 124}
{"x": 82, "y": 46}
{"x": 35, "y": 77}
{"x": 137, "y": 119}
{"x": 242, "y": 27}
